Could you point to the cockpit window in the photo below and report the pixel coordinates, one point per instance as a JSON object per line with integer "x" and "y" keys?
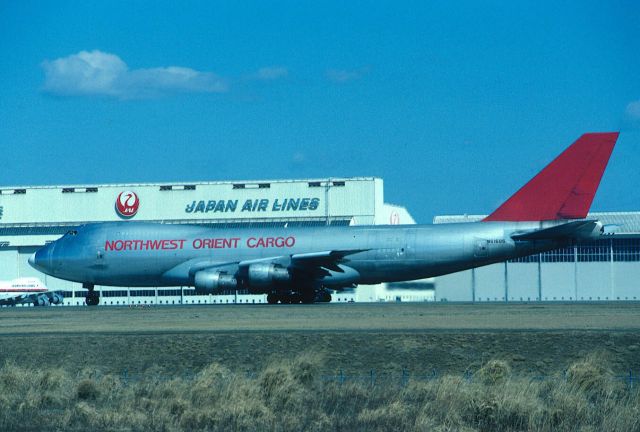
{"x": 72, "y": 233}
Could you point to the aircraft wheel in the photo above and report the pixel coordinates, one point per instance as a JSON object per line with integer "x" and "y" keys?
{"x": 325, "y": 297}
{"x": 308, "y": 297}
{"x": 93, "y": 299}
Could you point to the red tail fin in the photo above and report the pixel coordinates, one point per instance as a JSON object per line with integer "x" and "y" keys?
{"x": 565, "y": 188}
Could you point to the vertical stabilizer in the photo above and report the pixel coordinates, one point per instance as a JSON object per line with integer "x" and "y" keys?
{"x": 565, "y": 188}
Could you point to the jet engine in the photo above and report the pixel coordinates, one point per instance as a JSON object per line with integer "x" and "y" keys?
{"x": 56, "y": 298}
{"x": 210, "y": 282}
{"x": 42, "y": 300}
{"x": 264, "y": 275}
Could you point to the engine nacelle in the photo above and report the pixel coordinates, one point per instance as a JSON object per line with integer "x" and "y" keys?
{"x": 340, "y": 279}
{"x": 56, "y": 298}
{"x": 42, "y": 300}
{"x": 264, "y": 275}
{"x": 210, "y": 282}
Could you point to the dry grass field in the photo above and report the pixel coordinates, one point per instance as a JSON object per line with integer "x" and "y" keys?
{"x": 321, "y": 367}
{"x": 356, "y": 338}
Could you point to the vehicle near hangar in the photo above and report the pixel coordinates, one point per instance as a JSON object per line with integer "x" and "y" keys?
{"x": 299, "y": 264}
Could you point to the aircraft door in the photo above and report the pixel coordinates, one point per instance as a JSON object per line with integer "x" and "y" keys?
{"x": 480, "y": 248}
{"x": 96, "y": 249}
{"x": 410, "y": 243}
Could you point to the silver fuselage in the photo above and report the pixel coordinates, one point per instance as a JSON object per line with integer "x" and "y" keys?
{"x": 148, "y": 254}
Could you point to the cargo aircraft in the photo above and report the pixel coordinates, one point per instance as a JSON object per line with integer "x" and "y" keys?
{"x": 301, "y": 265}
{"x": 27, "y": 291}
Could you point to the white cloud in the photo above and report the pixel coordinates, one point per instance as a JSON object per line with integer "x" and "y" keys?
{"x": 271, "y": 73}
{"x": 633, "y": 110}
{"x": 344, "y": 75}
{"x": 96, "y": 73}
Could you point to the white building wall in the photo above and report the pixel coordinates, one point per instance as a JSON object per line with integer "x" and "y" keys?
{"x": 626, "y": 280}
{"x": 558, "y": 281}
{"x": 489, "y": 282}
{"x": 594, "y": 281}
{"x": 369, "y": 293}
{"x": 393, "y": 215}
{"x": 454, "y": 287}
{"x": 58, "y": 284}
{"x": 358, "y": 197}
{"x": 522, "y": 279}
{"x": 8, "y": 264}
{"x": 24, "y": 269}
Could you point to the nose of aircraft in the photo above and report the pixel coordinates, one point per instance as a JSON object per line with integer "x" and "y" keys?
{"x": 39, "y": 260}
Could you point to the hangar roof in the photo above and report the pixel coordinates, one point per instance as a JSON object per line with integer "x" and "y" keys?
{"x": 240, "y": 184}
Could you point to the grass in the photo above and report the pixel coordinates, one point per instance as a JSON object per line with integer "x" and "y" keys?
{"x": 213, "y": 368}
{"x": 420, "y": 353}
{"x": 291, "y": 395}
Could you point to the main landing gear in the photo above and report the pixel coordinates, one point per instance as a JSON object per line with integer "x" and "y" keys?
{"x": 93, "y": 297}
{"x": 306, "y": 297}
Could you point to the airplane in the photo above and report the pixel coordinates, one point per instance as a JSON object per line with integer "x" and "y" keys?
{"x": 27, "y": 290}
{"x": 302, "y": 264}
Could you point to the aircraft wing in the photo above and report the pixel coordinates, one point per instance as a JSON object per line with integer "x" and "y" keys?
{"x": 582, "y": 229}
{"x": 328, "y": 259}
{"x": 325, "y": 259}
{"x": 37, "y": 299}
{"x": 316, "y": 265}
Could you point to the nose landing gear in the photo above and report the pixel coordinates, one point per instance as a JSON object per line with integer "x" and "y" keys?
{"x": 93, "y": 297}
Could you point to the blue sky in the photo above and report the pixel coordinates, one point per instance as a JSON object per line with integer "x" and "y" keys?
{"x": 454, "y": 104}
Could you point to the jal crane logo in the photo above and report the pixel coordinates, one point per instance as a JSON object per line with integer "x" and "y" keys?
{"x": 127, "y": 204}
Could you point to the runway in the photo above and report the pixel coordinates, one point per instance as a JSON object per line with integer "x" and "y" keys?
{"x": 381, "y": 317}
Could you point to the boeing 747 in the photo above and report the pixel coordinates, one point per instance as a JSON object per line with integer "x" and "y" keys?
{"x": 293, "y": 265}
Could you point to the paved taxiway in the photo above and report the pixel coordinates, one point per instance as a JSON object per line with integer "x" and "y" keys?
{"x": 322, "y": 317}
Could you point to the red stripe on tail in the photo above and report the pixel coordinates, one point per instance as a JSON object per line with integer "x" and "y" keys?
{"x": 565, "y": 188}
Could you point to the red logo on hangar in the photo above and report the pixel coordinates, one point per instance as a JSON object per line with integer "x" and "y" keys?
{"x": 127, "y": 204}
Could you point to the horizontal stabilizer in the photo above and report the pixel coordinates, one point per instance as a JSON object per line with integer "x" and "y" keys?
{"x": 569, "y": 230}
{"x": 565, "y": 188}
